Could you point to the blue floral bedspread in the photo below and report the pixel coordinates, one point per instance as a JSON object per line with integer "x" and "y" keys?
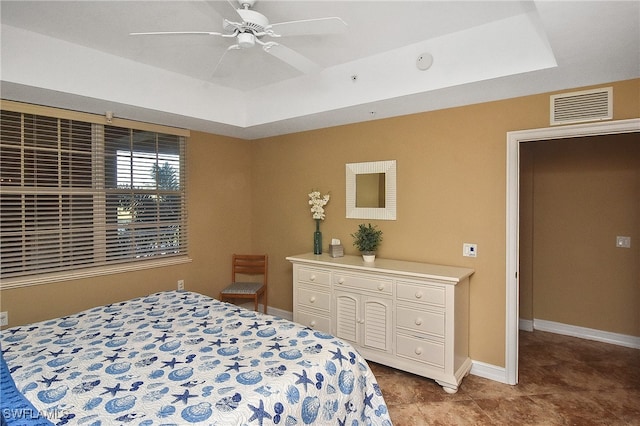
{"x": 176, "y": 358}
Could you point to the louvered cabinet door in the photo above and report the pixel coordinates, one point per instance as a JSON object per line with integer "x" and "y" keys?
{"x": 377, "y": 324}
{"x": 347, "y": 316}
{"x": 365, "y": 321}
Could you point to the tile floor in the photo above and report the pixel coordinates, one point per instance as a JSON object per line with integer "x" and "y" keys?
{"x": 562, "y": 381}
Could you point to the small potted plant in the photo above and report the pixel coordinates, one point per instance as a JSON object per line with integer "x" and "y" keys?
{"x": 367, "y": 239}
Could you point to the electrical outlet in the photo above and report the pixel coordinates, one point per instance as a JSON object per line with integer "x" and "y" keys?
{"x": 469, "y": 250}
{"x": 4, "y": 318}
{"x": 180, "y": 284}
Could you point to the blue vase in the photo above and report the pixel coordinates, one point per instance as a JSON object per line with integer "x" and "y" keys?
{"x": 317, "y": 239}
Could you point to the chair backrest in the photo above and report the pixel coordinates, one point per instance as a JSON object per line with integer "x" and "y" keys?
{"x": 250, "y": 264}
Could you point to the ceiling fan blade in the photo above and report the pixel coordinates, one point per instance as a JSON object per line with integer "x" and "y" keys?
{"x": 177, "y": 33}
{"x": 215, "y": 70}
{"x": 224, "y": 7}
{"x": 331, "y": 25}
{"x": 291, "y": 57}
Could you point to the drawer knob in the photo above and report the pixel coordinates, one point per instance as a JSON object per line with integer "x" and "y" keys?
{"x": 418, "y": 351}
{"x": 312, "y": 278}
{"x": 380, "y": 286}
{"x": 340, "y": 280}
{"x": 312, "y": 299}
{"x": 418, "y": 321}
{"x": 418, "y": 295}
{"x": 312, "y": 324}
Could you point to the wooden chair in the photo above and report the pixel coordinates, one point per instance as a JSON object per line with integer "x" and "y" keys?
{"x": 248, "y": 264}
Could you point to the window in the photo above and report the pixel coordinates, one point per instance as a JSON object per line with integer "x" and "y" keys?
{"x": 76, "y": 194}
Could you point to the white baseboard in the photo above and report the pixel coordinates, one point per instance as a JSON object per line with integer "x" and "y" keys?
{"x": 279, "y": 313}
{"x": 581, "y": 332}
{"x": 525, "y": 325}
{"x": 270, "y": 310}
{"x": 488, "y": 371}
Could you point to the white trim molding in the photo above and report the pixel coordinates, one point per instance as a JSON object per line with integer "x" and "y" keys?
{"x": 281, "y": 313}
{"x": 525, "y": 325}
{"x": 288, "y": 315}
{"x": 488, "y": 371}
{"x": 587, "y": 333}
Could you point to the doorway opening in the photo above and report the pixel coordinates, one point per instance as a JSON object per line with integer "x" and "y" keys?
{"x": 514, "y": 139}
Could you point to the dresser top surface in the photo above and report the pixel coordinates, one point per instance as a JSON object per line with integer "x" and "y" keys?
{"x": 381, "y": 265}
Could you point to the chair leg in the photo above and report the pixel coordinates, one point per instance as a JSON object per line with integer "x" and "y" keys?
{"x": 255, "y": 303}
{"x": 265, "y": 301}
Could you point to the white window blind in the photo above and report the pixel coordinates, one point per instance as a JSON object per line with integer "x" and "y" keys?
{"x": 76, "y": 194}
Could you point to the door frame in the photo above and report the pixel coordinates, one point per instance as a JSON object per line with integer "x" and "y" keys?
{"x": 514, "y": 139}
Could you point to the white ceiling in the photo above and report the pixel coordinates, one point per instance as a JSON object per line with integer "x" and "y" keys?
{"x": 79, "y": 55}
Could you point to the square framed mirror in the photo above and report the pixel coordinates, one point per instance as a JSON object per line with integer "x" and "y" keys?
{"x": 371, "y": 190}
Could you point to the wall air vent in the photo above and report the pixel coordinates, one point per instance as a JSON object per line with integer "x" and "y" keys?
{"x": 583, "y": 106}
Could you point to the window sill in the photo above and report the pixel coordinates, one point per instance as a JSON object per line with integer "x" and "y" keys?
{"x": 90, "y": 272}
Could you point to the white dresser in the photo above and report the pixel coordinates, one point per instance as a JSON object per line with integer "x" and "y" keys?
{"x": 407, "y": 315}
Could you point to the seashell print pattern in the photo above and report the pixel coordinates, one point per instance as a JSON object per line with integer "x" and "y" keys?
{"x": 185, "y": 358}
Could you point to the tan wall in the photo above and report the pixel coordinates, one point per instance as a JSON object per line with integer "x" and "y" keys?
{"x": 451, "y": 189}
{"x": 219, "y": 222}
{"x": 584, "y": 192}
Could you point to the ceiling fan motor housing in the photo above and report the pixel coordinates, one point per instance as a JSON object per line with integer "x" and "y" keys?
{"x": 252, "y": 20}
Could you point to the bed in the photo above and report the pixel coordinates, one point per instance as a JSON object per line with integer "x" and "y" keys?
{"x": 178, "y": 357}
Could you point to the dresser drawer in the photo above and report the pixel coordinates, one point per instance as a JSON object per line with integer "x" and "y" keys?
{"x": 314, "y": 276}
{"x": 317, "y": 322}
{"x": 363, "y": 282}
{"x": 420, "y": 350}
{"x": 422, "y": 321}
{"x": 420, "y": 293}
{"x": 311, "y": 298}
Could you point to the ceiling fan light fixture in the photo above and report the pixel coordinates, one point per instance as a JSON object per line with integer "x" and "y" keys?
{"x": 246, "y": 40}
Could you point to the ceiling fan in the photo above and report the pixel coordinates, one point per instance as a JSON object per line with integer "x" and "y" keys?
{"x": 254, "y": 28}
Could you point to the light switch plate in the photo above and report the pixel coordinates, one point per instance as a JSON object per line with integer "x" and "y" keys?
{"x": 470, "y": 250}
{"x": 624, "y": 242}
